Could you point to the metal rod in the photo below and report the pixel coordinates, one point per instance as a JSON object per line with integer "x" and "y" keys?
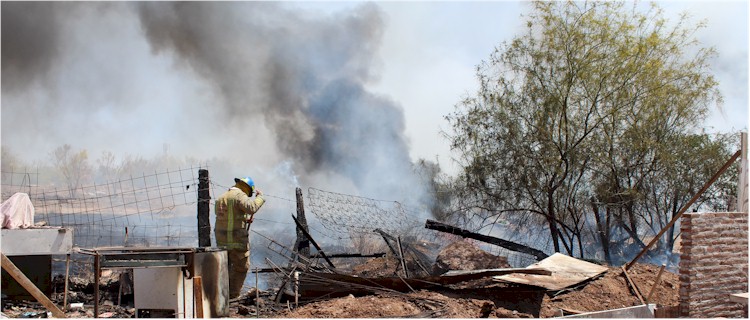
{"x": 257, "y": 295}
{"x": 684, "y": 208}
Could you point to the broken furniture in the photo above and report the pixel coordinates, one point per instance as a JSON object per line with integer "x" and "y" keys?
{"x": 169, "y": 282}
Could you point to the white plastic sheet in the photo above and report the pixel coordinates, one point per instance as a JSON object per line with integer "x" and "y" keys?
{"x": 17, "y": 212}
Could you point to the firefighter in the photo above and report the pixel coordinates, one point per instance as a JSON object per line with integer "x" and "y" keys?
{"x": 234, "y": 213}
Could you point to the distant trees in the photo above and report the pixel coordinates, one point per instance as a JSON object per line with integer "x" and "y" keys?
{"x": 8, "y": 160}
{"x": 585, "y": 124}
{"x": 112, "y": 169}
{"x": 73, "y": 165}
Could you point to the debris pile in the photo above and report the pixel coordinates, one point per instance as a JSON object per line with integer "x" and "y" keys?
{"x": 486, "y": 298}
{"x": 463, "y": 255}
{"x": 374, "y": 289}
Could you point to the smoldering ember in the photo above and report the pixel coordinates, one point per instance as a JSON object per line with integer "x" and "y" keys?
{"x": 589, "y": 183}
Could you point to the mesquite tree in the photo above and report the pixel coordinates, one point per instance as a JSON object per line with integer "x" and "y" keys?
{"x": 577, "y": 121}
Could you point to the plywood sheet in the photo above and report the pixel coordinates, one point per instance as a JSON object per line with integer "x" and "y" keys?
{"x": 566, "y": 271}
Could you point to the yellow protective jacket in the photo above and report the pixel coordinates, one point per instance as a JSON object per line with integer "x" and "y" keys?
{"x": 232, "y": 210}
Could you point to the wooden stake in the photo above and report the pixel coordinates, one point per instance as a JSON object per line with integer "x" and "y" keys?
{"x": 742, "y": 196}
{"x": 296, "y": 289}
{"x": 198, "y": 296}
{"x": 30, "y": 287}
{"x": 632, "y": 285}
{"x": 96, "y": 285}
{"x": 119, "y": 291}
{"x": 67, "y": 273}
{"x": 658, "y": 277}
{"x": 257, "y": 295}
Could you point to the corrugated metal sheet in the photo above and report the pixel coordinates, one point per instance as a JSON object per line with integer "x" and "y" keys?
{"x": 566, "y": 271}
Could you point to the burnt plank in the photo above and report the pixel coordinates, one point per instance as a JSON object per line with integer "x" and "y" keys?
{"x": 442, "y": 227}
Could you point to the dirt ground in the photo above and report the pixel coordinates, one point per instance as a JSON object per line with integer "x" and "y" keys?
{"x": 610, "y": 291}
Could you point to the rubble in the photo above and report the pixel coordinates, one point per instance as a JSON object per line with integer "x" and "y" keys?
{"x": 464, "y": 255}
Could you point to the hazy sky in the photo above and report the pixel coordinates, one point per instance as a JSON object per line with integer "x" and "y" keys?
{"x": 106, "y": 85}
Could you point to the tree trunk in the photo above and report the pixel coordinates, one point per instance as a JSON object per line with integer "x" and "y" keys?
{"x": 603, "y": 235}
{"x": 551, "y": 221}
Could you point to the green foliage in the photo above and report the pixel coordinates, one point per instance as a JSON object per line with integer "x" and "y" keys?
{"x": 593, "y": 107}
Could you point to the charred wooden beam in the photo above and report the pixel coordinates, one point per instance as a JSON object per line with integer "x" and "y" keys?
{"x": 204, "y": 197}
{"x": 302, "y": 245}
{"x": 387, "y": 238}
{"x": 315, "y": 244}
{"x": 434, "y": 225}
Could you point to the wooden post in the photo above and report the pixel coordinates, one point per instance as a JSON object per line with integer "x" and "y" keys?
{"x": 67, "y": 273}
{"x": 198, "y": 296}
{"x": 742, "y": 195}
{"x": 96, "y": 285}
{"x": 29, "y": 286}
{"x": 656, "y": 283}
{"x": 119, "y": 290}
{"x": 302, "y": 245}
{"x": 204, "y": 197}
{"x": 296, "y": 289}
{"x": 684, "y": 208}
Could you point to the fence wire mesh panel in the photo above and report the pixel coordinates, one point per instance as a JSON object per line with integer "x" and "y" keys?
{"x": 348, "y": 215}
{"x": 149, "y": 210}
{"x": 156, "y": 209}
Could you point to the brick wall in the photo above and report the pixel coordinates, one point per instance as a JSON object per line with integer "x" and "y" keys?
{"x": 713, "y": 264}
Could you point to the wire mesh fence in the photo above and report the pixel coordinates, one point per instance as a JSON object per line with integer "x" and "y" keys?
{"x": 156, "y": 209}
{"x": 348, "y": 214}
{"x": 159, "y": 209}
